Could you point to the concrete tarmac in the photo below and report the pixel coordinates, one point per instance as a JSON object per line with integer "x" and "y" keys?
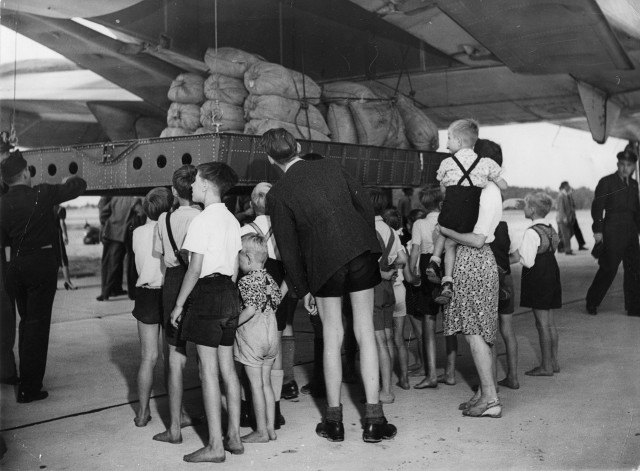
{"x": 585, "y": 417}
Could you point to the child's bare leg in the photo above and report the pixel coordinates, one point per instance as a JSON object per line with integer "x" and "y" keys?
{"x": 209, "y": 373}
{"x": 416, "y": 327}
{"x": 177, "y": 361}
{"x": 388, "y": 333}
{"x": 544, "y": 333}
{"x": 554, "y": 343}
{"x": 260, "y": 434}
{"x": 229, "y": 375}
{"x": 269, "y": 401}
{"x": 433, "y": 268}
{"x": 511, "y": 345}
{"x": 429, "y": 336}
{"x": 385, "y": 367}
{"x": 451, "y": 345}
{"x": 449, "y": 259}
{"x": 148, "y": 335}
{"x": 403, "y": 356}
{"x": 438, "y": 248}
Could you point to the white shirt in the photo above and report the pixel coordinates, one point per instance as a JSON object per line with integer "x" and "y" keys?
{"x": 490, "y": 212}
{"x": 215, "y": 233}
{"x": 264, "y": 223}
{"x": 180, "y": 220}
{"x": 149, "y": 262}
{"x": 422, "y": 232}
{"x": 530, "y": 243}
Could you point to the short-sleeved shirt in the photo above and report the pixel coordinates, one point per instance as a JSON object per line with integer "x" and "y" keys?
{"x": 259, "y": 289}
{"x": 449, "y": 173}
{"x": 490, "y": 212}
{"x": 422, "y": 232}
{"x": 149, "y": 261}
{"x": 530, "y": 243}
{"x": 180, "y": 220}
{"x": 215, "y": 233}
{"x": 264, "y": 223}
{"x": 385, "y": 232}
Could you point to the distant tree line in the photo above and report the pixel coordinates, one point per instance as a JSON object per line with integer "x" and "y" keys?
{"x": 582, "y": 196}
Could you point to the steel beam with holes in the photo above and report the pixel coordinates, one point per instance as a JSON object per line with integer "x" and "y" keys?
{"x": 132, "y": 167}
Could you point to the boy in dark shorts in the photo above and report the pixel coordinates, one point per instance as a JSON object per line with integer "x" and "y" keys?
{"x": 210, "y": 320}
{"x": 148, "y": 306}
{"x": 324, "y": 224}
{"x": 177, "y": 222}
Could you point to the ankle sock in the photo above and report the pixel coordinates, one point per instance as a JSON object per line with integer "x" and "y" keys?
{"x": 436, "y": 260}
{"x": 447, "y": 278}
{"x": 276, "y": 383}
{"x": 334, "y": 413}
{"x": 288, "y": 352}
{"x": 374, "y": 414}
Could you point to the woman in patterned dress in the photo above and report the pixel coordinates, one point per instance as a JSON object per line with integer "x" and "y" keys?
{"x": 473, "y": 310}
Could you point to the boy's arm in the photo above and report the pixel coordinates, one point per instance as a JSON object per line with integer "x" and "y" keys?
{"x": 529, "y": 248}
{"x": 188, "y": 283}
{"x": 413, "y": 259}
{"x": 246, "y": 314}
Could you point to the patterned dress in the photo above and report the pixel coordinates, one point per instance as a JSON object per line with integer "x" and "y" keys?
{"x": 473, "y": 309}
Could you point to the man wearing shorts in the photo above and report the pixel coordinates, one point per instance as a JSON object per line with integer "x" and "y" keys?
{"x": 324, "y": 224}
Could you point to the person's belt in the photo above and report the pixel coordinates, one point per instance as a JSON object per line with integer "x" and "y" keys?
{"x": 216, "y": 275}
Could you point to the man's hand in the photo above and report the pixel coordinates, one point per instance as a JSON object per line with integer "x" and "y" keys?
{"x": 176, "y": 315}
{"x": 310, "y": 304}
{"x": 597, "y": 236}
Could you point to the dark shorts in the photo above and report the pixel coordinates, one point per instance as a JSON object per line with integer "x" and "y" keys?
{"x": 384, "y": 301}
{"x": 363, "y": 272}
{"x": 460, "y": 208}
{"x": 285, "y": 310}
{"x": 212, "y": 316}
{"x": 148, "y": 305}
{"x": 425, "y": 304}
{"x": 172, "y": 283}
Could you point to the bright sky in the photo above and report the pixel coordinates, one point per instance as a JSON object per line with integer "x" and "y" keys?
{"x": 535, "y": 155}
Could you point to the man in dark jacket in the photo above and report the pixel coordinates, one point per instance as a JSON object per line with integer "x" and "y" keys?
{"x": 27, "y": 228}
{"x": 616, "y": 223}
{"x": 323, "y": 223}
{"x": 118, "y": 216}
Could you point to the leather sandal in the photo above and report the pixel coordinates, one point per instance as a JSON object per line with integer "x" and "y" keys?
{"x": 491, "y": 409}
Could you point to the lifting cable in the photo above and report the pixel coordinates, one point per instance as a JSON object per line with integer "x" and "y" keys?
{"x": 13, "y": 136}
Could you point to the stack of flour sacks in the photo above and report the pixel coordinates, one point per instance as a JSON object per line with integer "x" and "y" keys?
{"x": 245, "y": 94}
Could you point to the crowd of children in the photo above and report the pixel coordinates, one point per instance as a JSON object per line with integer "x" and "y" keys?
{"x": 204, "y": 279}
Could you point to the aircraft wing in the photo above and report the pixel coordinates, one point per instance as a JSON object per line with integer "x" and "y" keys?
{"x": 573, "y": 62}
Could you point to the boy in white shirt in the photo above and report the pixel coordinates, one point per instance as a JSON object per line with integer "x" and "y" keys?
{"x": 211, "y": 319}
{"x": 148, "y": 302}
{"x": 178, "y": 222}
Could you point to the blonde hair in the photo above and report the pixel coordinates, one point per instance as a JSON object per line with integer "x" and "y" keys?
{"x": 256, "y": 245}
{"x": 466, "y": 130}
{"x": 540, "y": 202}
{"x": 259, "y": 197}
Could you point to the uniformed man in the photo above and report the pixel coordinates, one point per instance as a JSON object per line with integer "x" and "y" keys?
{"x": 8, "y": 371}
{"x": 616, "y": 222}
{"x": 27, "y": 232}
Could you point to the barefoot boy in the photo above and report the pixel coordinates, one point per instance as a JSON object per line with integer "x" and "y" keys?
{"x": 213, "y": 240}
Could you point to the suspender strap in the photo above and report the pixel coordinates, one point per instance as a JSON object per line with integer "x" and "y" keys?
{"x": 259, "y": 231}
{"x": 386, "y": 249}
{"x": 174, "y": 246}
{"x": 466, "y": 172}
